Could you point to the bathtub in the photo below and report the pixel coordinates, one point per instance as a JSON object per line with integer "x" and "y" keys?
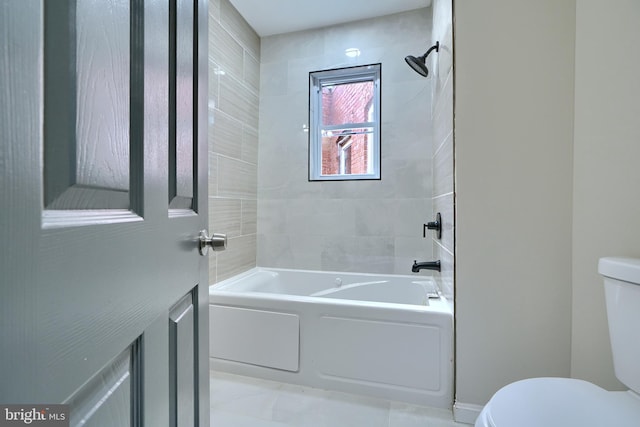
{"x": 384, "y": 336}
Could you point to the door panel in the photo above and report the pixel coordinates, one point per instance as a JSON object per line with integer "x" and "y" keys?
{"x": 103, "y": 96}
{"x": 181, "y": 80}
{"x": 182, "y": 360}
{"x": 91, "y": 72}
{"x": 91, "y": 261}
{"x": 107, "y": 399}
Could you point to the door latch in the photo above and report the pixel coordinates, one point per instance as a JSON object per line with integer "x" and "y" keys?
{"x": 217, "y": 242}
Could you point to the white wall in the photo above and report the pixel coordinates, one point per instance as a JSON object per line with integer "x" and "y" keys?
{"x": 367, "y": 226}
{"x": 606, "y": 196}
{"x": 514, "y": 79}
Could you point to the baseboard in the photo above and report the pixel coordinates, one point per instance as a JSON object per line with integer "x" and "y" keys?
{"x": 466, "y": 412}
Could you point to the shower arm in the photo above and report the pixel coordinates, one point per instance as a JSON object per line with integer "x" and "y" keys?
{"x": 435, "y": 47}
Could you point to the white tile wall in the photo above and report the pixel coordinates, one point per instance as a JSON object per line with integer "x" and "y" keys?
{"x": 238, "y": 27}
{"x": 234, "y": 89}
{"x": 352, "y": 226}
{"x": 226, "y": 136}
{"x": 240, "y": 256}
{"x": 442, "y": 156}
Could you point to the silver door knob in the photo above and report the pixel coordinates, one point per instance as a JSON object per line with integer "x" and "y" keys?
{"x": 217, "y": 242}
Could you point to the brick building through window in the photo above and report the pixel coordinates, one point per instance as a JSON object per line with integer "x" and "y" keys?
{"x": 346, "y": 152}
{"x": 344, "y": 115}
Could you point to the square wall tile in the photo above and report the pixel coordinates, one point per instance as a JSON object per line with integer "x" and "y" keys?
{"x": 358, "y": 254}
{"x": 273, "y": 78}
{"x": 270, "y": 220}
{"x": 274, "y": 250}
{"x": 371, "y": 217}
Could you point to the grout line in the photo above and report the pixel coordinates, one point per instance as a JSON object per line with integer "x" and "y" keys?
{"x": 240, "y": 81}
{"x": 244, "y": 47}
{"x": 234, "y": 158}
{"x": 444, "y": 142}
{"x": 229, "y": 116}
{"x": 444, "y": 248}
{"x": 440, "y": 196}
{"x": 441, "y": 99}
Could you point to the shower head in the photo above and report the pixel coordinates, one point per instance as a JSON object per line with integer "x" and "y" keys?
{"x": 419, "y": 64}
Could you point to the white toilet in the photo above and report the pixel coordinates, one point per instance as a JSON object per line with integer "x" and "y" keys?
{"x": 564, "y": 402}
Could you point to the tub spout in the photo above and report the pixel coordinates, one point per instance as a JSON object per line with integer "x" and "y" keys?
{"x": 429, "y": 265}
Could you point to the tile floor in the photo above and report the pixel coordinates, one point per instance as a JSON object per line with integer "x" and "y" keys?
{"x": 238, "y": 401}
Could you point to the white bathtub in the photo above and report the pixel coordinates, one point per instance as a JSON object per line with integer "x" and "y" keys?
{"x": 383, "y": 336}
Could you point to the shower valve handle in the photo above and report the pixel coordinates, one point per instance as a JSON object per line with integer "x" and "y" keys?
{"x": 433, "y": 225}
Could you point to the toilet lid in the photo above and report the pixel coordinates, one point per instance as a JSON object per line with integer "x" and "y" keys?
{"x": 561, "y": 402}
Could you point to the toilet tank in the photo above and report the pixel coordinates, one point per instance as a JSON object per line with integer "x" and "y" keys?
{"x": 622, "y": 294}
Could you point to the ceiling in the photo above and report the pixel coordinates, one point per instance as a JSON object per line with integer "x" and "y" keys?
{"x": 269, "y": 17}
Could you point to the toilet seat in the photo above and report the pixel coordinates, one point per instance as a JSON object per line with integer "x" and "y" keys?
{"x": 559, "y": 402}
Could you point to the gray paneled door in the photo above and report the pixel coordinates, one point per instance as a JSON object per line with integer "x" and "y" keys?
{"x": 103, "y": 172}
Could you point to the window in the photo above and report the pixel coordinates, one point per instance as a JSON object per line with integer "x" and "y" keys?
{"x": 344, "y": 116}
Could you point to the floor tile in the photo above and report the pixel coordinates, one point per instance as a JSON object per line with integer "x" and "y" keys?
{"x": 238, "y": 401}
{"x": 230, "y": 419}
{"x": 404, "y": 415}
